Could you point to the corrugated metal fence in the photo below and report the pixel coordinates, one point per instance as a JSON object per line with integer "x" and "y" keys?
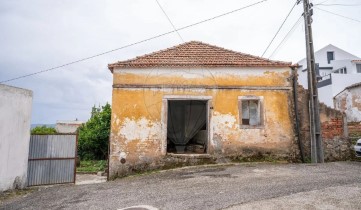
{"x": 52, "y": 159}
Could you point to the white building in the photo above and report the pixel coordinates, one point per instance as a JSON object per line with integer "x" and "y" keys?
{"x": 15, "y": 115}
{"x": 68, "y": 126}
{"x": 337, "y": 69}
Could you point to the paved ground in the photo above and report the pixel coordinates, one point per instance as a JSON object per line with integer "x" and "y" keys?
{"x": 89, "y": 179}
{"x": 247, "y": 186}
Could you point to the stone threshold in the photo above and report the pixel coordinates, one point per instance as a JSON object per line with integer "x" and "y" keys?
{"x": 184, "y": 155}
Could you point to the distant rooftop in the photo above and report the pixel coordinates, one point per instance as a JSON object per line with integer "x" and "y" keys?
{"x": 69, "y": 122}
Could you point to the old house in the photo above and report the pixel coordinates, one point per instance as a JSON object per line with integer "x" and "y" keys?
{"x": 198, "y": 100}
{"x": 349, "y": 102}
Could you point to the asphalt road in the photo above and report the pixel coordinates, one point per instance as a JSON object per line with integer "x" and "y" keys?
{"x": 245, "y": 186}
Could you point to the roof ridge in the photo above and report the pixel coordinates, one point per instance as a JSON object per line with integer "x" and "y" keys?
{"x": 233, "y": 51}
{"x": 190, "y": 50}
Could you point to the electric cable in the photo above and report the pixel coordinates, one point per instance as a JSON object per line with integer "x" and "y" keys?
{"x": 135, "y": 43}
{"x": 286, "y": 36}
{"x": 346, "y": 5}
{"x": 279, "y": 29}
{"x": 160, "y": 6}
{"x": 338, "y": 14}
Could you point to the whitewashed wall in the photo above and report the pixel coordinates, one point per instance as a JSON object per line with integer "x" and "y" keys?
{"x": 325, "y": 95}
{"x": 15, "y": 116}
{"x": 321, "y": 56}
{"x": 341, "y": 81}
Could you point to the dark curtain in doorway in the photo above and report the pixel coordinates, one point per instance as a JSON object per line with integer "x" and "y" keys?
{"x": 185, "y": 120}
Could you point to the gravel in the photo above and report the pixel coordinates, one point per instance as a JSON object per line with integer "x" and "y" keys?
{"x": 210, "y": 187}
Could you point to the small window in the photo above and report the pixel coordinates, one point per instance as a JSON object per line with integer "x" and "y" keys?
{"x": 358, "y": 67}
{"x": 341, "y": 71}
{"x": 330, "y": 57}
{"x": 250, "y": 111}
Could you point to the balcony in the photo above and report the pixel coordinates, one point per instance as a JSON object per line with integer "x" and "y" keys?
{"x": 324, "y": 81}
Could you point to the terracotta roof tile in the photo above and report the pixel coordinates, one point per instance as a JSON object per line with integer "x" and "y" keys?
{"x": 197, "y": 54}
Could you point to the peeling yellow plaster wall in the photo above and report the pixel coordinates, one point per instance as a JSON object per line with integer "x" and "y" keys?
{"x": 250, "y": 77}
{"x": 136, "y": 125}
{"x": 136, "y": 128}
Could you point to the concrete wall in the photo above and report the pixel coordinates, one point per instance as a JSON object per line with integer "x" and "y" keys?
{"x": 15, "y": 116}
{"x": 349, "y": 102}
{"x": 139, "y": 110}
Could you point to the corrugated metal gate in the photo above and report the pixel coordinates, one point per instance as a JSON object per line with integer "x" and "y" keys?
{"x": 52, "y": 159}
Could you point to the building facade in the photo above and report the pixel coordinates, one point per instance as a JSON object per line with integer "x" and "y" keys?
{"x": 198, "y": 100}
{"x": 336, "y": 70}
{"x": 349, "y": 102}
{"x": 68, "y": 126}
{"x": 15, "y": 117}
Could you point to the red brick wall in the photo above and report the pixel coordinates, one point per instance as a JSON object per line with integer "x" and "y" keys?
{"x": 335, "y": 144}
{"x": 332, "y": 128}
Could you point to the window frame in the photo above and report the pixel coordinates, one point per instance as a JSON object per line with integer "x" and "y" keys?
{"x": 357, "y": 69}
{"x": 260, "y": 111}
{"x": 328, "y": 58}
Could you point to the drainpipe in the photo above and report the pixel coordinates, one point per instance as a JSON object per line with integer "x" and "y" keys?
{"x": 295, "y": 99}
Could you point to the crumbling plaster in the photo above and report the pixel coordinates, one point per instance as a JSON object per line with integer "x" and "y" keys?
{"x": 349, "y": 101}
{"x": 138, "y": 131}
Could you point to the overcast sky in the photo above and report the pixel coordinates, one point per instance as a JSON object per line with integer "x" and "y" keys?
{"x": 40, "y": 34}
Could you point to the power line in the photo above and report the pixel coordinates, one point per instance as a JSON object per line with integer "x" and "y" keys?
{"x": 160, "y": 6}
{"x": 324, "y": 1}
{"x": 338, "y": 14}
{"x": 279, "y": 29}
{"x": 346, "y": 5}
{"x": 287, "y": 35}
{"x": 135, "y": 43}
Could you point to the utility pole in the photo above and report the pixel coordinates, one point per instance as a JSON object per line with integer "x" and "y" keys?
{"x": 314, "y": 108}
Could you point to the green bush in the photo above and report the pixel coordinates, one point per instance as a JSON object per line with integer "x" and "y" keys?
{"x": 92, "y": 166}
{"x": 94, "y": 134}
{"x": 43, "y": 130}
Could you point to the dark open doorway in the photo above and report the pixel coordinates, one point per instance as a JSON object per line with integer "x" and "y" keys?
{"x": 187, "y": 130}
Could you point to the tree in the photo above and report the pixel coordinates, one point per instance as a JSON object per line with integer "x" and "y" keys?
{"x": 94, "y": 134}
{"x": 43, "y": 130}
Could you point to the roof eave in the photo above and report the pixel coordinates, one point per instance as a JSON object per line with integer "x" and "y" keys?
{"x": 124, "y": 66}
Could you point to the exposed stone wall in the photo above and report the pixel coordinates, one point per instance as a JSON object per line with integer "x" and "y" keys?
{"x": 354, "y": 129}
{"x": 336, "y": 143}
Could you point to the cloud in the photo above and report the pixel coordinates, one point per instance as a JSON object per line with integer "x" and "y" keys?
{"x": 42, "y": 34}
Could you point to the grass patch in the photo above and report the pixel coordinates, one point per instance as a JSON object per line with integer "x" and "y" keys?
{"x": 92, "y": 166}
{"x": 10, "y": 194}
